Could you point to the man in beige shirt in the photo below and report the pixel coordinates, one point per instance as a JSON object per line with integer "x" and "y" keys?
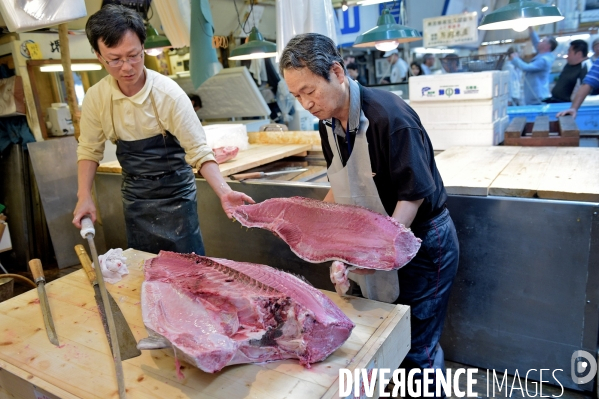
{"x": 158, "y": 136}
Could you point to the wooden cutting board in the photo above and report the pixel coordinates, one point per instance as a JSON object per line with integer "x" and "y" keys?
{"x": 82, "y": 366}
{"x": 256, "y": 155}
{"x": 561, "y": 173}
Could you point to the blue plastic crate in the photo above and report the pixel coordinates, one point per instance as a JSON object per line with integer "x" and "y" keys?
{"x": 586, "y": 119}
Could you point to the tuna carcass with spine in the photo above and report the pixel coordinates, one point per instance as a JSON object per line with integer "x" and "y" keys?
{"x": 218, "y": 312}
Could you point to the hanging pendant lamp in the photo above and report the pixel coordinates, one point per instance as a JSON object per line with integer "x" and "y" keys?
{"x": 387, "y": 34}
{"x": 155, "y": 43}
{"x": 256, "y": 47}
{"x": 519, "y": 15}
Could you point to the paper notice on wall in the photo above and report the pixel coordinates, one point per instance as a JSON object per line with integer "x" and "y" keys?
{"x": 451, "y": 30}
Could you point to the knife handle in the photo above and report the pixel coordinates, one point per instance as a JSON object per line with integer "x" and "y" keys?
{"x": 37, "y": 270}
{"x": 252, "y": 175}
{"x": 86, "y": 263}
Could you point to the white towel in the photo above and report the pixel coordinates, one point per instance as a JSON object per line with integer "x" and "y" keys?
{"x": 113, "y": 266}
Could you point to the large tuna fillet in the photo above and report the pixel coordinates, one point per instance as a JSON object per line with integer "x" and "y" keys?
{"x": 318, "y": 231}
{"x": 217, "y": 312}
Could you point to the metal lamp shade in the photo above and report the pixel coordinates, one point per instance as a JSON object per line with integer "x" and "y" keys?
{"x": 387, "y": 30}
{"x": 520, "y": 14}
{"x": 256, "y": 47}
{"x": 155, "y": 40}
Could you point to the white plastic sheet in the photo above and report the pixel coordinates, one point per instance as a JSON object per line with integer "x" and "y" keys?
{"x": 26, "y": 15}
{"x": 175, "y": 16}
{"x": 308, "y": 16}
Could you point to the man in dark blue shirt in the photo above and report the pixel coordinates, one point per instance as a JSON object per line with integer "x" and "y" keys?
{"x": 379, "y": 156}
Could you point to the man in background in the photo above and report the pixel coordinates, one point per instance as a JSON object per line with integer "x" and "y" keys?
{"x": 590, "y": 83}
{"x": 399, "y": 68}
{"x": 428, "y": 60}
{"x": 515, "y": 86}
{"x": 595, "y": 48}
{"x": 536, "y": 78}
{"x": 451, "y": 63}
{"x": 354, "y": 72}
{"x": 572, "y": 74}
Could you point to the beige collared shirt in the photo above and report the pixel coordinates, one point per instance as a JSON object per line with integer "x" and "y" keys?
{"x": 135, "y": 119}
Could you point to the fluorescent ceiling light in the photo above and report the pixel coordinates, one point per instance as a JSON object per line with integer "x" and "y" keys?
{"x": 74, "y": 67}
{"x": 387, "y": 34}
{"x": 256, "y": 47}
{"x": 155, "y": 43}
{"x": 519, "y": 15}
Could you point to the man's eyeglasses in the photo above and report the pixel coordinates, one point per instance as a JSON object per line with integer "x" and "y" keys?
{"x": 134, "y": 59}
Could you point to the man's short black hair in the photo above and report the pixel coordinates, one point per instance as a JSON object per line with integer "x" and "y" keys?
{"x": 552, "y": 42}
{"x": 111, "y": 23}
{"x": 313, "y": 51}
{"x": 580, "y": 45}
{"x": 195, "y": 100}
{"x": 353, "y": 66}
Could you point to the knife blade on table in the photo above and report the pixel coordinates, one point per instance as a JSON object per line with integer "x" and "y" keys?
{"x": 88, "y": 232}
{"x": 38, "y": 275}
{"x": 259, "y": 175}
{"x": 126, "y": 340}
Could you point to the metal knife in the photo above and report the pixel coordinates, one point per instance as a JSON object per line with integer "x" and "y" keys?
{"x": 259, "y": 175}
{"x": 40, "y": 280}
{"x": 88, "y": 232}
{"x": 126, "y": 340}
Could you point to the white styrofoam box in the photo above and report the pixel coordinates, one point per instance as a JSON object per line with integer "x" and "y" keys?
{"x": 457, "y": 86}
{"x": 23, "y": 16}
{"x": 474, "y": 111}
{"x": 445, "y": 135}
{"x": 223, "y": 135}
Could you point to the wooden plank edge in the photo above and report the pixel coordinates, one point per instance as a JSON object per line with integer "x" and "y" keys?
{"x": 36, "y": 381}
{"x": 461, "y": 190}
{"x": 551, "y": 141}
{"x": 568, "y": 196}
{"x": 378, "y": 346}
{"x": 269, "y": 159}
{"x": 512, "y": 192}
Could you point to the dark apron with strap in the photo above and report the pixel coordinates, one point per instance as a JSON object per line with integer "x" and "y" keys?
{"x": 159, "y": 194}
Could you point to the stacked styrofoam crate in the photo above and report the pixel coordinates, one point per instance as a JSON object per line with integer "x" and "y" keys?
{"x": 467, "y": 108}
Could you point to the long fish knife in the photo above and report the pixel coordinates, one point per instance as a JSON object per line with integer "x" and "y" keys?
{"x": 126, "y": 340}
{"x": 88, "y": 231}
{"x": 38, "y": 275}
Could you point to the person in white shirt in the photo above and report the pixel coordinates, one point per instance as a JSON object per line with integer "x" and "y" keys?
{"x": 398, "y": 68}
{"x": 428, "y": 60}
{"x": 158, "y": 137}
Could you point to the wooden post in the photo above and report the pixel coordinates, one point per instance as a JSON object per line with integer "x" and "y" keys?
{"x": 65, "y": 56}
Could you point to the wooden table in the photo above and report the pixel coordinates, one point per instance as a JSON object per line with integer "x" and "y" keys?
{"x": 256, "y": 155}
{"x": 561, "y": 173}
{"x": 82, "y": 366}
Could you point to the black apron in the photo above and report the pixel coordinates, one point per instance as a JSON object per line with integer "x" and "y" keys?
{"x": 159, "y": 194}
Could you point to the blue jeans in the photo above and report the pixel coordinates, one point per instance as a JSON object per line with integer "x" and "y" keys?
{"x": 425, "y": 284}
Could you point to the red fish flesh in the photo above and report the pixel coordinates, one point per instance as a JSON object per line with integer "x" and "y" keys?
{"x": 218, "y": 312}
{"x": 224, "y": 154}
{"x": 318, "y": 231}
